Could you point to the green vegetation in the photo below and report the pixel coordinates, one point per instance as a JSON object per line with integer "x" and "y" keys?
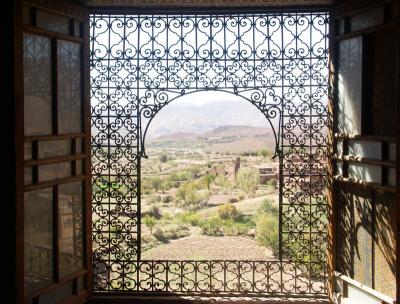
{"x": 150, "y": 222}
{"x": 229, "y": 212}
{"x": 189, "y": 191}
{"x": 248, "y": 180}
{"x": 207, "y": 180}
{"x": 154, "y": 211}
{"x": 265, "y": 153}
{"x": 222, "y": 182}
{"x": 170, "y": 233}
{"x": 163, "y": 157}
{"x": 267, "y": 226}
{"x": 190, "y": 197}
{"x": 156, "y": 183}
{"x": 268, "y": 232}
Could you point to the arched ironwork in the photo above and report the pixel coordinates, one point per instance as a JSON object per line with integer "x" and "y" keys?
{"x": 270, "y": 116}
{"x": 140, "y": 63}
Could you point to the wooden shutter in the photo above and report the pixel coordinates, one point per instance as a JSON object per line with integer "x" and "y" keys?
{"x": 365, "y": 210}
{"x": 53, "y": 217}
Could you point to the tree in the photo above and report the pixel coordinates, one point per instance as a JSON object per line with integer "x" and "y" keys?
{"x": 264, "y": 153}
{"x": 150, "y": 222}
{"x": 190, "y": 197}
{"x": 273, "y": 183}
{"x": 248, "y": 180}
{"x": 267, "y": 232}
{"x": 208, "y": 179}
{"x": 163, "y": 157}
{"x": 156, "y": 183}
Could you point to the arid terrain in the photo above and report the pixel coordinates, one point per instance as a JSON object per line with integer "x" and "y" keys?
{"x": 207, "y": 196}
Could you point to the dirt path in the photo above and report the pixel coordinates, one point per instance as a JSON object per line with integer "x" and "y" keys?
{"x": 201, "y": 247}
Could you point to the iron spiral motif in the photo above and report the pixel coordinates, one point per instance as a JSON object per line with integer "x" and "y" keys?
{"x": 141, "y": 63}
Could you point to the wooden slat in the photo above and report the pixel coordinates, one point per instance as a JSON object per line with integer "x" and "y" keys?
{"x": 384, "y": 298}
{"x": 54, "y": 137}
{"x": 54, "y": 182}
{"x": 363, "y": 160}
{"x": 77, "y": 299}
{"x": 55, "y": 85}
{"x": 368, "y": 185}
{"x": 397, "y": 208}
{"x": 50, "y": 34}
{"x": 365, "y": 137}
{"x": 391, "y": 26}
{"x": 52, "y": 160}
{"x": 55, "y": 285}
{"x": 87, "y": 165}
{"x": 56, "y": 239}
{"x": 13, "y": 105}
{"x": 331, "y": 198}
{"x": 59, "y": 7}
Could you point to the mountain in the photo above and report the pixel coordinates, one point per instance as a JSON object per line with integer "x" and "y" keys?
{"x": 219, "y": 132}
{"x": 226, "y": 131}
{"x": 179, "y": 118}
{"x": 176, "y": 135}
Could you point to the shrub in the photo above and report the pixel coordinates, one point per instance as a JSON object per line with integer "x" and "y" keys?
{"x": 232, "y": 200}
{"x": 231, "y": 227}
{"x": 193, "y": 172}
{"x": 196, "y": 200}
{"x": 173, "y": 233}
{"x": 156, "y": 183}
{"x": 159, "y": 235}
{"x": 166, "y": 216}
{"x": 273, "y": 183}
{"x": 249, "y": 153}
{"x": 268, "y": 207}
{"x": 155, "y": 212}
{"x": 229, "y": 212}
{"x": 207, "y": 180}
{"x": 163, "y": 157}
{"x": 189, "y": 196}
{"x": 264, "y": 153}
{"x": 248, "y": 180}
{"x": 222, "y": 181}
{"x": 267, "y": 232}
{"x": 241, "y": 196}
{"x": 167, "y": 199}
{"x": 211, "y": 227}
{"x": 190, "y": 218}
{"x": 150, "y": 222}
{"x": 154, "y": 199}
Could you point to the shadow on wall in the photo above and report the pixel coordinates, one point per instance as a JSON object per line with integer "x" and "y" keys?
{"x": 366, "y": 238}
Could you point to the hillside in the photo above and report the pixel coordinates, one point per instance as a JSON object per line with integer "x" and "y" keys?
{"x": 219, "y": 132}
{"x": 192, "y": 118}
{"x": 226, "y": 131}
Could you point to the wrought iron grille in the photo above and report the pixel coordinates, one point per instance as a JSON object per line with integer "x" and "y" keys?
{"x": 139, "y": 64}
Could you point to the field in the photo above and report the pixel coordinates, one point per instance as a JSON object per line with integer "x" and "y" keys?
{"x": 208, "y": 197}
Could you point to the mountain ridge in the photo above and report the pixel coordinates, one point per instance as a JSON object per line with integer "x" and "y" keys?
{"x": 198, "y": 119}
{"x": 220, "y": 131}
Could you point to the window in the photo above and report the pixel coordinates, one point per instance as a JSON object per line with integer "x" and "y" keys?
{"x": 141, "y": 63}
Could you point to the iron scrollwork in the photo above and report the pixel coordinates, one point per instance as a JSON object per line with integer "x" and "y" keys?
{"x": 141, "y": 63}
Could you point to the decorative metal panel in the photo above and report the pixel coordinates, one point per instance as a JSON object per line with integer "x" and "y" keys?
{"x": 206, "y": 3}
{"x": 141, "y": 63}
